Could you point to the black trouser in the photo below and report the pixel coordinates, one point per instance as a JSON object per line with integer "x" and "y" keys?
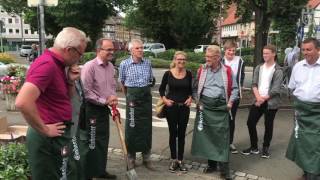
{"x": 254, "y": 116}
{"x": 177, "y": 118}
{"x": 232, "y": 120}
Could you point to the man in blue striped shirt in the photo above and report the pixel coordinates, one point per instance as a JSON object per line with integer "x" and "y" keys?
{"x": 135, "y": 74}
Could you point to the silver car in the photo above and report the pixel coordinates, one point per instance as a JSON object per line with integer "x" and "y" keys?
{"x": 25, "y": 50}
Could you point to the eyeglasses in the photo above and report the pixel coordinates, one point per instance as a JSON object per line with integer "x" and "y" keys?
{"x": 108, "y": 50}
{"x": 181, "y": 59}
{"x": 80, "y": 54}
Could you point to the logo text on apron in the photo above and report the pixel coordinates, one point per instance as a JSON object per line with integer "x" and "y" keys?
{"x": 296, "y": 128}
{"x": 92, "y": 144}
{"x": 131, "y": 114}
{"x": 76, "y": 154}
{"x": 200, "y": 124}
{"x": 64, "y": 154}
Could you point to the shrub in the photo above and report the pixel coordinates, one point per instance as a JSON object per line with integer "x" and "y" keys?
{"x": 6, "y": 58}
{"x": 87, "y": 57}
{"x": 167, "y": 55}
{"x": 121, "y": 54}
{"x": 195, "y": 57}
{"x": 13, "y": 162}
{"x": 246, "y": 51}
{"x": 148, "y": 54}
{"x": 248, "y": 60}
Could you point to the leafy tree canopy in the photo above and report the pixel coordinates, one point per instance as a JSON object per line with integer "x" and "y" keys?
{"x": 284, "y": 14}
{"x": 87, "y": 15}
{"x": 176, "y": 23}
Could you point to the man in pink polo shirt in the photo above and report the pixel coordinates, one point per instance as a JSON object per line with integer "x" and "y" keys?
{"x": 44, "y": 101}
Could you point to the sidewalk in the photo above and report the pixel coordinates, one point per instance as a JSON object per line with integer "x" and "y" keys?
{"x": 117, "y": 166}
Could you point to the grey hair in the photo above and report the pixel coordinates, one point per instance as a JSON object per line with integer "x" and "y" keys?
{"x": 100, "y": 41}
{"x": 213, "y": 49}
{"x": 70, "y": 36}
{"x": 132, "y": 42}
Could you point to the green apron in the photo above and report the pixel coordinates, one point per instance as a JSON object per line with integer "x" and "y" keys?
{"x": 76, "y": 102}
{"x": 138, "y": 128}
{"x": 304, "y": 145}
{"x": 211, "y": 130}
{"x": 94, "y": 139}
{"x": 51, "y": 158}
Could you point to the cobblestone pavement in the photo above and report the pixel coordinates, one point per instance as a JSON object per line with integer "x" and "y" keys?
{"x": 116, "y": 165}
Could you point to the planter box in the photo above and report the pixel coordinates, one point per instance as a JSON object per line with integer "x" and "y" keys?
{"x": 15, "y": 133}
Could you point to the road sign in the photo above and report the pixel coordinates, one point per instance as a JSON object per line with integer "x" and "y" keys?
{"x": 35, "y": 3}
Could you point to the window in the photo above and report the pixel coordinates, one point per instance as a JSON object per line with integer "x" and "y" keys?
{"x": 3, "y": 30}
{"x": 17, "y": 31}
{"x": 16, "y": 20}
{"x": 10, "y": 31}
{"x": 26, "y": 31}
{"x": 10, "y": 20}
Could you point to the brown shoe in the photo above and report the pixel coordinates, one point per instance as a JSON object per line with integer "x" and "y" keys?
{"x": 149, "y": 165}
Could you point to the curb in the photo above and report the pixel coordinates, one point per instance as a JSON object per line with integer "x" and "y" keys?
{"x": 197, "y": 167}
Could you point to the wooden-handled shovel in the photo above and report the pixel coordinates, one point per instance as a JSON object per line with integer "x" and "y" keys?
{"x": 131, "y": 173}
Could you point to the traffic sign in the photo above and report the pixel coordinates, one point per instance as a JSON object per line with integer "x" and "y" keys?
{"x": 35, "y": 3}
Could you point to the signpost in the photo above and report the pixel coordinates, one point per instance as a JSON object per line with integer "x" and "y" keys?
{"x": 40, "y": 4}
{"x": 1, "y": 30}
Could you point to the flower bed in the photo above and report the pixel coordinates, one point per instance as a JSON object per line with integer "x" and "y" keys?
{"x": 11, "y": 84}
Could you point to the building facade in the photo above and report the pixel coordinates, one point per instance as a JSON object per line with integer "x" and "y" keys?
{"x": 15, "y": 31}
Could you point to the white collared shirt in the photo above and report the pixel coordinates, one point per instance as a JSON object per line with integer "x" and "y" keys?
{"x": 305, "y": 81}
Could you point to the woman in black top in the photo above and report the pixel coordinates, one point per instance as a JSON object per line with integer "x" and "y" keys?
{"x": 177, "y": 102}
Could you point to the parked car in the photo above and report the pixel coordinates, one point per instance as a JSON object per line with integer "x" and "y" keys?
{"x": 25, "y": 50}
{"x": 154, "y": 47}
{"x": 3, "y": 69}
{"x": 200, "y": 48}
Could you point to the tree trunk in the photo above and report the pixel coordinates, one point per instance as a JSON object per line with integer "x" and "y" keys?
{"x": 262, "y": 23}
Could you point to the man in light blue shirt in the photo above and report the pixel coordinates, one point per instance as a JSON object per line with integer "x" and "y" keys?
{"x": 135, "y": 74}
{"x": 304, "y": 144}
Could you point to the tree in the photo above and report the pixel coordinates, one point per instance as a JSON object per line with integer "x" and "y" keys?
{"x": 286, "y": 21}
{"x": 265, "y": 11}
{"x": 174, "y": 22}
{"x": 87, "y": 15}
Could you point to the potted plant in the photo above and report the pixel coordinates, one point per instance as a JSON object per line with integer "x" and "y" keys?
{"x": 13, "y": 162}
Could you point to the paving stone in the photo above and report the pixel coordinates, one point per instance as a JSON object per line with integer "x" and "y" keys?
{"x": 117, "y": 150}
{"x": 240, "y": 178}
{"x": 195, "y": 163}
{"x": 155, "y": 157}
{"x": 203, "y": 165}
{"x": 164, "y": 157}
{"x": 201, "y": 169}
{"x": 250, "y": 176}
{"x": 110, "y": 150}
{"x": 189, "y": 166}
{"x": 241, "y": 174}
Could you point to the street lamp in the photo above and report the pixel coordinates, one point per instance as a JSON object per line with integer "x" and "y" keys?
{"x": 1, "y": 30}
{"x": 21, "y": 24}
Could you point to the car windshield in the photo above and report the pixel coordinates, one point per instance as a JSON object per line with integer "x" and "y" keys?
{"x": 198, "y": 47}
{"x": 146, "y": 46}
{"x": 26, "y": 47}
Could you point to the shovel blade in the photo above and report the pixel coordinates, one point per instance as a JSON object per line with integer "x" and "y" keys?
{"x": 131, "y": 175}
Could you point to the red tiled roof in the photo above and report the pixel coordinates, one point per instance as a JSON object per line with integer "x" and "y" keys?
{"x": 313, "y": 3}
{"x": 231, "y": 15}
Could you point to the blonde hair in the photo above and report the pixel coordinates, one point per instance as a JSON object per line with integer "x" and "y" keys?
{"x": 172, "y": 64}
